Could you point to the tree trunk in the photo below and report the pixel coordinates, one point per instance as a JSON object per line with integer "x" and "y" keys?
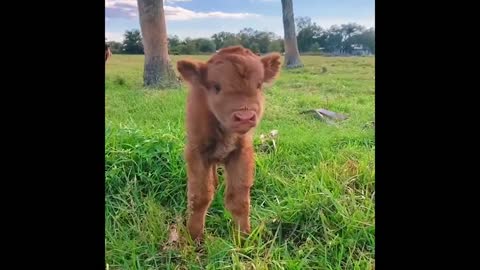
{"x": 292, "y": 56}
{"x": 158, "y": 70}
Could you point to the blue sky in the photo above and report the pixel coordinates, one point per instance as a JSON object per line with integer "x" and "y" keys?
{"x": 203, "y": 18}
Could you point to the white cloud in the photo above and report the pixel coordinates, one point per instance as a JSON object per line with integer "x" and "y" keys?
{"x": 121, "y": 9}
{"x": 114, "y": 36}
{"x": 128, "y": 9}
{"x": 182, "y": 14}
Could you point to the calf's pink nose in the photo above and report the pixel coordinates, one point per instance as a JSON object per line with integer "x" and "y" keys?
{"x": 244, "y": 116}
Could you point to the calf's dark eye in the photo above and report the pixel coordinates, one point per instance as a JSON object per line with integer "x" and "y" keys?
{"x": 217, "y": 88}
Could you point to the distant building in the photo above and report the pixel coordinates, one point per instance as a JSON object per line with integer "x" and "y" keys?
{"x": 358, "y": 49}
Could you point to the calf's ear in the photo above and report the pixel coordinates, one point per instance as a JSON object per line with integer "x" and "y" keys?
{"x": 192, "y": 72}
{"x": 271, "y": 66}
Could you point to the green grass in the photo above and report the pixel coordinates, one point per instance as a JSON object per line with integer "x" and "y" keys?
{"x": 314, "y": 197}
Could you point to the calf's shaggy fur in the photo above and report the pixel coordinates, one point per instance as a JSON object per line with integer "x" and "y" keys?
{"x": 225, "y": 103}
{"x": 108, "y": 52}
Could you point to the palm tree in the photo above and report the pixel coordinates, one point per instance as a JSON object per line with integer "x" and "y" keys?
{"x": 292, "y": 56}
{"x": 158, "y": 71}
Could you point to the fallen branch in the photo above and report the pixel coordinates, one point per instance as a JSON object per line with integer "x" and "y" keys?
{"x": 327, "y": 115}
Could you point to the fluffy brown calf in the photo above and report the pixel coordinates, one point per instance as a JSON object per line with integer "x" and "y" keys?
{"x": 108, "y": 53}
{"x": 224, "y": 105}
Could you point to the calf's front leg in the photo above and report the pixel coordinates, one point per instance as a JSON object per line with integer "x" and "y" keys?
{"x": 239, "y": 179}
{"x": 200, "y": 191}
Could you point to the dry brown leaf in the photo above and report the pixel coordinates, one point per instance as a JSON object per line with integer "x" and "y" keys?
{"x": 268, "y": 141}
{"x": 173, "y": 238}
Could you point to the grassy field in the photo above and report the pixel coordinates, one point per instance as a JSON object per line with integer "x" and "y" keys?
{"x": 313, "y": 201}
